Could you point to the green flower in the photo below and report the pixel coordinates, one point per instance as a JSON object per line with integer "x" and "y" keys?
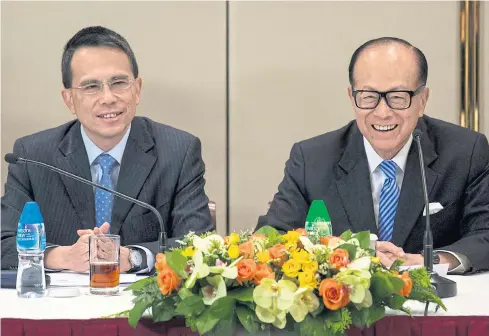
{"x": 229, "y": 272}
{"x": 305, "y": 302}
{"x": 357, "y": 278}
{"x": 215, "y": 290}
{"x": 199, "y": 271}
{"x": 273, "y": 300}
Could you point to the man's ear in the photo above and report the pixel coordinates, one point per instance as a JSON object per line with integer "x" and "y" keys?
{"x": 67, "y": 95}
{"x": 424, "y": 100}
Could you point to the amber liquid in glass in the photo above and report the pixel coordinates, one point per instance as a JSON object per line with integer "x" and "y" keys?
{"x": 104, "y": 275}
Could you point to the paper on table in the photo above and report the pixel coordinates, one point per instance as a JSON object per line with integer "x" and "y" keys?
{"x": 440, "y": 269}
{"x": 82, "y": 279}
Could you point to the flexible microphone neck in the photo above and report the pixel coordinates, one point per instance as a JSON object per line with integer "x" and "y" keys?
{"x": 428, "y": 235}
{"x": 163, "y": 239}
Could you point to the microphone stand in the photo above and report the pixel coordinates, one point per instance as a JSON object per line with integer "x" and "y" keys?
{"x": 444, "y": 287}
{"x": 162, "y": 239}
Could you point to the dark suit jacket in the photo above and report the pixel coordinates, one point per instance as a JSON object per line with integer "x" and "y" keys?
{"x": 333, "y": 167}
{"x": 161, "y": 166}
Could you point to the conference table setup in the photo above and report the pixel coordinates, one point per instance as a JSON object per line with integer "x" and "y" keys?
{"x": 68, "y": 308}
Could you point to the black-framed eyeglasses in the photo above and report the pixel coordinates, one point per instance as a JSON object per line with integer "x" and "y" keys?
{"x": 396, "y": 99}
{"x": 116, "y": 86}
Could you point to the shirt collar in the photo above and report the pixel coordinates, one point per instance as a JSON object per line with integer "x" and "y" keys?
{"x": 374, "y": 160}
{"x": 93, "y": 151}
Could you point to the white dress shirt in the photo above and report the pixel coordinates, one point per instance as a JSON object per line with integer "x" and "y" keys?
{"x": 377, "y": 178}
{"x": 93, "y": 151}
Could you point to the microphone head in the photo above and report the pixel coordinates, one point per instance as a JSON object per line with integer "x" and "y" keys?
{"x": 11, "y": 158}
{"x": 417, "y": 133}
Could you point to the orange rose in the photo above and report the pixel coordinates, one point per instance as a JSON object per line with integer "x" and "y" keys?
{"x": 408, "y": 284}
{"x": 246, "y": 270}
{"x": 325, "y": 240}
{"x": 278, "y": 252}
{"x": 160, "y": 261}
{"x": 339, "y": 258}
{"x": 256, "y": 236}
{"x": 246, "y": 249}
{"x": 168, "y": 280}
{"x": 263, "y": 271}
{"x": 302, "y": 231}
{"x": 335, "y": 295}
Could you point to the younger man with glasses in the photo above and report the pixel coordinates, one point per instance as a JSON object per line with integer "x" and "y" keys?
{"x": 368, "y": 172}
{"x": 107, "y": 144}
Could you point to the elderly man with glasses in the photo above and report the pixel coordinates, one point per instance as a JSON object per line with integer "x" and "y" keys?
{"x": 107, "y": 144}
{"x": 368, "y": 173}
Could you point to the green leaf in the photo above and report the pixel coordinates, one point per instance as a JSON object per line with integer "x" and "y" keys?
{"x": 184, "y": 293}
{"x": 137, "y": 312}
{"x": 205, "y": 321}
{"x": 177, "y": 262}
{"x": 396, "y": 265}
{"x": 313, "y": 326}
{"x": 352, "y": 250}
{"x": 226, "y": 326}
{"x": 364, "y": 239}
{"x": 375, "y": 313}
{"x": 347, "y": 235}
{"x": 223, "y": 308}
{"x": 138, "y": 285}
{"x": 242, "y": 294}
{"x": 191, "y": 306}
{"x": 163, "y": 310}
{"x": 272, "y": 234}
{"x": 319, "y": 310}
{"x": 359, "y": 317}
{"x": 383, "y": 285}
{"x": 248, "y": 319}
{"x": 396, "y": 301}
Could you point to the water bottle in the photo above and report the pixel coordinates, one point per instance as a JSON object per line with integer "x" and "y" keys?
{"x": 31, "y": 244}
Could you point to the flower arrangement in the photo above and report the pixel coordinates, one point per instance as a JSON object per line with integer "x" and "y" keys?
{"x": 295, "y": 281}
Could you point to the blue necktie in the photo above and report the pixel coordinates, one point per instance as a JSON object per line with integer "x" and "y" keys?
{"x": 389, "y": 198}
{"x": 103, "y": 199}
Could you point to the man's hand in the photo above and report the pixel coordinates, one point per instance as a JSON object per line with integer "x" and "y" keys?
{"x": 74, "y": 257}
{"x": 124, "y": 259}
{"x": 388, "y": 253}
{"x": 101, "y": 230}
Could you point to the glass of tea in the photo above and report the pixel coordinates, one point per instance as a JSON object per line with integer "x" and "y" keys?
{"x": 104, "y": 264}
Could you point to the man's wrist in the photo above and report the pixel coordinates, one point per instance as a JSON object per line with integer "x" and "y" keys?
{"x": 54, "y": 258}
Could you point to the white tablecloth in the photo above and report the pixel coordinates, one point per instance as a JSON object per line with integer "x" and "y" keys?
{"x": 472, "y": 300}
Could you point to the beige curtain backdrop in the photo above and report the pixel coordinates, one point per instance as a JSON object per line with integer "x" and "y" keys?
{"x": 180, "y": 48}
{"x": 287, "y": 69}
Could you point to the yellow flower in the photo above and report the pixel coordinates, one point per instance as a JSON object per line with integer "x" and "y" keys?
{"x": 291, "y": 268}
{"x": 233, "y": 238}
{"x": 307, "y": 280}
{"x": 292, "y": 236}
{"x": 375, "y": 260}
{"x": 291, "y": 246}
{"x": 263, "y": 257}
{"x": 233, "y": 251}
{"x": 310, "y": 267}
{"x": 302, "y": 256}
{"x": 188, "y": 252}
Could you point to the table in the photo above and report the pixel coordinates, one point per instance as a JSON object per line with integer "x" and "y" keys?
{"x": 468, "y": 314}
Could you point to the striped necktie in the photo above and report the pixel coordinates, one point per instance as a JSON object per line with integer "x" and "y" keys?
{"x": 389, "y": 198}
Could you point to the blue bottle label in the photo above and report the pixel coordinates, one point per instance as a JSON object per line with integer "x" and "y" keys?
{"x": 31, "y": 237}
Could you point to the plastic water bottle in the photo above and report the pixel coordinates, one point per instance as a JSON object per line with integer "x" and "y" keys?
{"x": 31, "y": 244}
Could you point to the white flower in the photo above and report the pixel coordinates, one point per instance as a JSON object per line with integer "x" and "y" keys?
{"x": 204, "y": 244}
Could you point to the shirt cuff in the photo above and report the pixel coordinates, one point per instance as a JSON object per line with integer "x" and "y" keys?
{"x": 150, "y": 259}
{"x": 464, "y": 265}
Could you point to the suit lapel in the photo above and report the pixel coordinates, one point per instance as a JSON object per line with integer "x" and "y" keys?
{"x": 354, "y": 184}
{"x": 72, "y": 157}
{"x": 411, "y": 201}
{"x": 137, "y": 163}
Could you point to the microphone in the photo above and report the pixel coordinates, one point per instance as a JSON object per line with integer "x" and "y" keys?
{"x": 444, "y": 287}
{"x": 163, "y": 239}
